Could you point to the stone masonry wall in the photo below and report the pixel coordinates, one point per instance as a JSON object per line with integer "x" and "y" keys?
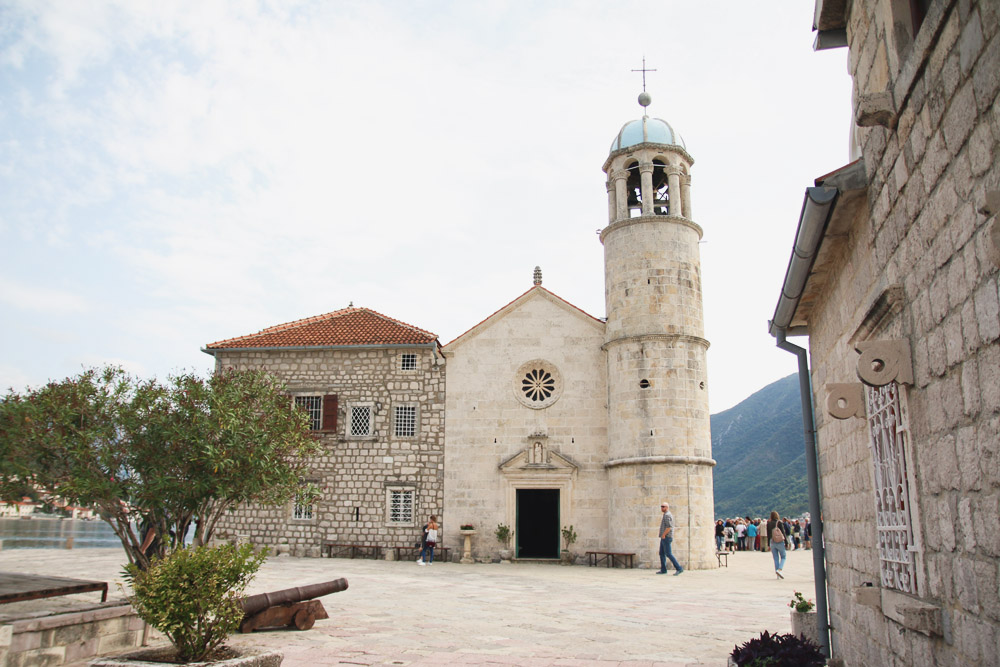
{"x": 923, "y": 231}
{"x": 354, "y": 473}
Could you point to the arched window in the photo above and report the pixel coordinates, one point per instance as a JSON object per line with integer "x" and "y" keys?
{"x": 661, "y": 190}
{"x": 634, "y": 188}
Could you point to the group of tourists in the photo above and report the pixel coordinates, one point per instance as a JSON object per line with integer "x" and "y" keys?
{"x": 776, "y": 534}
{"x": 746, "y": 534}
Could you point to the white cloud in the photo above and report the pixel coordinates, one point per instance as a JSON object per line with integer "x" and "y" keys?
{"x": 204, "y": 169}
{"x": 36, "y": 298}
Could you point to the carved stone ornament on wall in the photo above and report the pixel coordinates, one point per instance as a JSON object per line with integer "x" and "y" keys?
{"x": 881, "y": 362}
{"x": 537, "y": 384}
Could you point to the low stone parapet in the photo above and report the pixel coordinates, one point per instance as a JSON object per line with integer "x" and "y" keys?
{"x": 69, "y": 637}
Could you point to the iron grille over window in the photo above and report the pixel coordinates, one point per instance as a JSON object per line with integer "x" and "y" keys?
{"x": 406, "y": 421}
{"x": 890, "y": 437}
{"x": 400, "y": 505}
{"x": 361, "y": 420}
{"x": 302, "y": 511}
{"x": 304, "y": 507}
{"x": 314, "y": 406}
{"x": 538, "y": 385}
{"x": 408, "y": 361}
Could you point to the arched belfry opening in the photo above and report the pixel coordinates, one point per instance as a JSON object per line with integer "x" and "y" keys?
{"x": 661, "y": 188}
{"x": 633, "y": 185}
{"x": 658, "y": 193}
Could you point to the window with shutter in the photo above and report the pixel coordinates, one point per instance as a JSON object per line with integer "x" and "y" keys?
{"x": 330, "y": 412}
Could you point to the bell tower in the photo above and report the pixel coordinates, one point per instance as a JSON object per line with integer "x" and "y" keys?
{"x": 659, "y": 443}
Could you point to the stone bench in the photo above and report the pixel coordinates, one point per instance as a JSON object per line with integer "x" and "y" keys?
{"x": 404, "y": 550}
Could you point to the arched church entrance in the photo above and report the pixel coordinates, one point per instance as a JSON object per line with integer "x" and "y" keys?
{"x": 537, "y": 523}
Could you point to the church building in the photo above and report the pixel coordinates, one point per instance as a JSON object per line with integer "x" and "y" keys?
{"x": 540, "y": 417}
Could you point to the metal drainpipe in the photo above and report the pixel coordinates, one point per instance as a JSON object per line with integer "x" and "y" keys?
{"x": 812, "y": 472}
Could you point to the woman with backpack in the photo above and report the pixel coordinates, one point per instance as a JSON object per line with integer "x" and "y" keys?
{"x": 776, "y": 531}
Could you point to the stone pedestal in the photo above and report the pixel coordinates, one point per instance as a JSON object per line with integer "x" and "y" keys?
{"x": 467, "y": 548}
{"x": 805, "y": 624}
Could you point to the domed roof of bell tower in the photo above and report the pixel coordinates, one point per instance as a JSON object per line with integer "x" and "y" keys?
{"x": 646, "y": 130}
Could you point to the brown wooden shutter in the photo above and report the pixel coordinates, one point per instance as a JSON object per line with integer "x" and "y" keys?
{"x": 330, "y": 412}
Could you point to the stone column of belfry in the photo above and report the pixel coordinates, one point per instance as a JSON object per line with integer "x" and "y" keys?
{"x": 646, "y": 187}
{"x": 659, "y": 443}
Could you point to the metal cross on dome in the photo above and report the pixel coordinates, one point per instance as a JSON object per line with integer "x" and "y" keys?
{"x": 644, "y": 70}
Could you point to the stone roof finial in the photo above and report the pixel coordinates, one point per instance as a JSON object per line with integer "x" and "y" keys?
{"x": 538, "y": 276}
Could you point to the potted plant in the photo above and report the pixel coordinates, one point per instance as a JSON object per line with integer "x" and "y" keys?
{"x": 193, "y": 596}
{"x": 467, "y": 529}
{"x": 804, "y": 620}
{"x": 503, "y": 537}
{"x": 777, "y": 651}
{"x": 569, "y": 537}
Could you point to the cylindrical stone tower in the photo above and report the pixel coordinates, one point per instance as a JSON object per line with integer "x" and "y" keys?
{"x": 659, "y": 443}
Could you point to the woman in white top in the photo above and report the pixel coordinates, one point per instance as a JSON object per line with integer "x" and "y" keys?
{"x": 431, "y": 538}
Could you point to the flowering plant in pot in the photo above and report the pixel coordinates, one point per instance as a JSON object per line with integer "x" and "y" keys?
{"x": 193, "y": 596}
{"x": 805, "y": 623}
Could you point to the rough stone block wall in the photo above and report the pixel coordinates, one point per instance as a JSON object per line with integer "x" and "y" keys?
{"x": 923, "y": 230}
{"x": 354, "y": 473}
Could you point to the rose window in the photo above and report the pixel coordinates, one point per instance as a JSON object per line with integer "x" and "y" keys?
{"x": 538, "y": 384}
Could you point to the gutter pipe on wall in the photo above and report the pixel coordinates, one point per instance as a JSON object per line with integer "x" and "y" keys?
{"x": 815, "y": 509}
{"x": 817, "y": 208}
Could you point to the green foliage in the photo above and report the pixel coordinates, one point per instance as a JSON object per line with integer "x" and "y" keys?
{"x": 778, "y": 651}
{"x": 168, "y": 455}
{"x": 569, "y": 536}
{"x": 193, "y": 595}
{"x": 801, "y": 604}
{"x": 503, "y": 534}
{"x": 760, "y": 451}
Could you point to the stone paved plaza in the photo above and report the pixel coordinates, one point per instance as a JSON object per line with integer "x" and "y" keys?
{"x": 396, "y": 613}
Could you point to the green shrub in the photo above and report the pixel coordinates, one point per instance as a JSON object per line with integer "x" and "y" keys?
{"x": 193, "y": 595}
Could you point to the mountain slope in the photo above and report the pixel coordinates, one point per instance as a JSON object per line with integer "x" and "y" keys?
{"x": 760, "y": 452}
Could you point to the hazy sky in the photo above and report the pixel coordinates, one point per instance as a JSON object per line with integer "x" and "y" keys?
{"x": 176, "y": 173}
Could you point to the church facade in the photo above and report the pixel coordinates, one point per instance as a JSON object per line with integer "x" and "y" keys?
{"x": 541, "y": 417}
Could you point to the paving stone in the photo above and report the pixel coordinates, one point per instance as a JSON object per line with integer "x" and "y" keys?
{"x": 396, "y": 613}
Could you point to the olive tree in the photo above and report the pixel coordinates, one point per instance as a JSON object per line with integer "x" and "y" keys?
{"x": 164, "y": 456}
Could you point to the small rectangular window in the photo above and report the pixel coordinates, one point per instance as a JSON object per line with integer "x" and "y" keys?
{"x": 408, "y": 361}
{"x": 361, "y": 420}
{"x": 304, "y": 505}
{"x": 406, "y": 421}
{"x": 313, "y": 405}
{"x": 400, "y": 506}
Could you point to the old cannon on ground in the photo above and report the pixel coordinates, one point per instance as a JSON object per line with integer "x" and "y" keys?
{"x": 292, "y": 606}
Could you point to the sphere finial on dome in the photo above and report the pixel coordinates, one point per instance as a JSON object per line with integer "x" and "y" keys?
{"x": 644, "y": 99}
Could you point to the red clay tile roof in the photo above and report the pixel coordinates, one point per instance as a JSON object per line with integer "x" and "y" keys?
{"x": 350, "y": 326}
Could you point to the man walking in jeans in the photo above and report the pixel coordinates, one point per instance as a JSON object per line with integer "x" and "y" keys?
{"x": 666, "y": 537}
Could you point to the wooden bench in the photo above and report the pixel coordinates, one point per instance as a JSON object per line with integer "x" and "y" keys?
{"x": 611, "y": 558}
{"x": 722, "y": 555}
{"x": 344, "y": 549}
{"x": 410, "y": 551}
